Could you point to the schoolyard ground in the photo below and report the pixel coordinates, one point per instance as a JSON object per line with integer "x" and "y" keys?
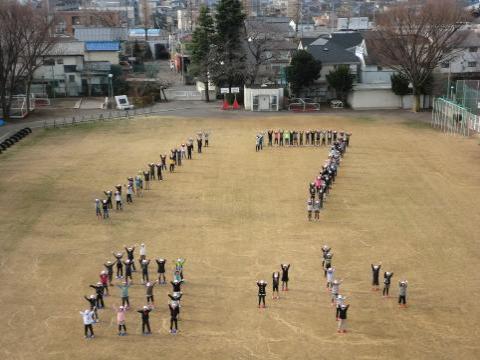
{"x": 405, "y": 195}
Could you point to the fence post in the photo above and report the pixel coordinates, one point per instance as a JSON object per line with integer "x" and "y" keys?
{"x": 54, "y": 123}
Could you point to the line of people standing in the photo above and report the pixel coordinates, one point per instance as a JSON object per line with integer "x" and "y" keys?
{"x": 142, "y": 181}
{"x": 310, "y": 137}
{"x": 320, "y": 188}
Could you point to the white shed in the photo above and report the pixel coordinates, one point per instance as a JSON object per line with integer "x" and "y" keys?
{"x": 263, "y": 98}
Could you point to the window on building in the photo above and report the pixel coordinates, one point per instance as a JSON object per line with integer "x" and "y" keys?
{"x": 71, "y": 78}
{"x": 61, "y": 27}
{"x": 48, "y": 62}
{"x": 445, "y": 65}
{"x": 255, "y": 103}
{"x": 473, "y": 49}
{"x": 472, "y": 64}
{"x": 69, "y": 68}
{"x": 60, "y": 61}
{"x": 379, "y": 68}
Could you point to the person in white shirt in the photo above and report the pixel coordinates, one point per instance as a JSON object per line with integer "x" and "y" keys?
{"x": 143, "y": 252}
{"x": 183, "y": 149}
{"x": 309, "y": 209}
{"x": 316, "y": 209}
{"x": 118, "y": 200}
{"x": 88, "y": 320}
{"x": 335, "y": 289}
{"x": 330, "y": 276}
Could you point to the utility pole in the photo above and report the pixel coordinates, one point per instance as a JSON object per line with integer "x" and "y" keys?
{"x": 146, "y": 17}
{"x": 190, "y": 14}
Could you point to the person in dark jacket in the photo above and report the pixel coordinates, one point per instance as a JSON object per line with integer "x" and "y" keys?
{"x": 161, "y": 271}
{"x": 285, "y": 268}
{"x": 387, "y": 279}
{"x": 174, "y": 310}
{"x": 275, "y": 283}
{"x": 262, "y": 284}
{"x": 145, "y": 312}
{"x": 100, "y": 290}
{"x": 375, "y": 276}
{"x": 342, "y": 318}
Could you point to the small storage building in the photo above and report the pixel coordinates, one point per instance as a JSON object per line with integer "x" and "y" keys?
{"x": 263, "y": 98}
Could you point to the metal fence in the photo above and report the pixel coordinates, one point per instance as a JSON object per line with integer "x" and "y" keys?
{"x": 452, "y": 118}
{"x": 83, "y": 119}
{"x": 104, "y": 116}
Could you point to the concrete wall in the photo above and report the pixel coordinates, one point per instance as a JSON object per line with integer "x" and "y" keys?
{"x": 383, "y": 99}
{"x": 374, "y": 99}
{"x": 111, "y": 56}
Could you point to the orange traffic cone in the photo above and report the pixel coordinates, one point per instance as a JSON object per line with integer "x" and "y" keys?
{"x": 235, "y": 105}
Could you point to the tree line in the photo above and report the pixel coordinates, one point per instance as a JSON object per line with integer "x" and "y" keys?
{"x": 411, "y": 38}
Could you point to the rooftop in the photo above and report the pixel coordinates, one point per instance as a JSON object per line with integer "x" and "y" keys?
{"x": 332, "y": 53}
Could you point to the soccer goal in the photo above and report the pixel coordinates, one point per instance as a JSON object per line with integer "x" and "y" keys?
{"x": 453, "y": 118}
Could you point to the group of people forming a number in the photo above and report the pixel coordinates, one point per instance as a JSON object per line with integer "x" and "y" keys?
{"x": 319, "y": 137}
{"x": 124, "y": 269}
{"x": 320, "y": 187}
{"x": 333, "y": 286}
{"x": 136, "y": 185}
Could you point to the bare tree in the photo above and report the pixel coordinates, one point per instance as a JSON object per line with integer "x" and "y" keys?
{"x": 258, "y": 54}
{"x": 38, "y": 36}
{"x": 10, "y": 50}
{"x": 25, "y": 37}
{"x": 413, "y": 38}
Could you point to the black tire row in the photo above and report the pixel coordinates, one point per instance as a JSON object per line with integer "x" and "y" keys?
{"x": 12, "y": 140}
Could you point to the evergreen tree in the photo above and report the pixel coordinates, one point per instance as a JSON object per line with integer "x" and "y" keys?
{"x": 202, "y": 39}
{"x": 341, "y": 80}
{"x": 400, "y": 84}
{"x": 228, "y": 55}
{"x": 303, "y": 70}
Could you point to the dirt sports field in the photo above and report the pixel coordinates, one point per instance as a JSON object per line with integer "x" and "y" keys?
{"x": 405, "y": 195}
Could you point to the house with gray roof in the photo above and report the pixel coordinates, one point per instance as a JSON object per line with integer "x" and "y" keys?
{"x": 73, "y": 67}
{"x": 332, "y": 50}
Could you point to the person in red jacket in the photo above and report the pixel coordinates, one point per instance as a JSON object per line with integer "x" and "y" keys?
{"x": 104, "y": 281}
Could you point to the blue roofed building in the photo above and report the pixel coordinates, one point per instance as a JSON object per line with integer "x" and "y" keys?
{"x": 105, "y": 51}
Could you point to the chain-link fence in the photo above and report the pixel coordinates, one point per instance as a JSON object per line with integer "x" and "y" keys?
{"x": 466, "y": 93}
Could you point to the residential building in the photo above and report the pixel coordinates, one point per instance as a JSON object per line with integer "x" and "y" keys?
{"x": 100, "y": 33}
{"x": 68, "y": 20}
{"x": 125, "y": 9}
{"x": 74, "y": 68}
{"x": 62, "y": 68}
{"x": 466, "y": 62}
{"x": 332, "y": 51}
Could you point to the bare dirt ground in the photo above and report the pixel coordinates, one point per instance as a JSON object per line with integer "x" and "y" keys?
{"x": 405, "y": 195}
